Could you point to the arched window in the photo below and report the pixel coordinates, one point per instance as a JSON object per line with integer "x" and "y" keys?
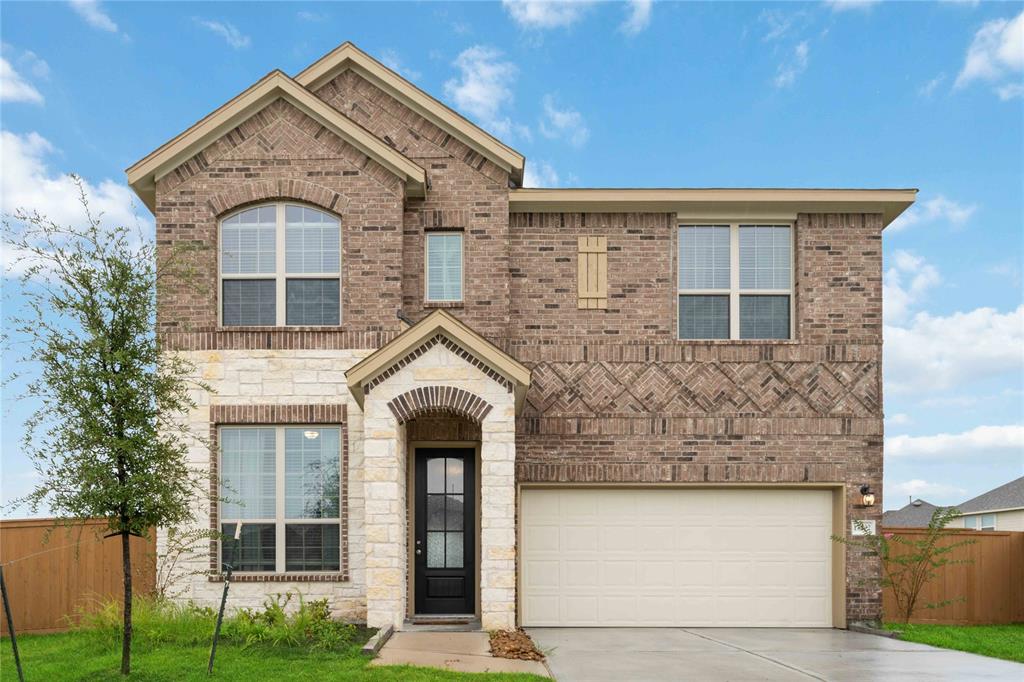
{"x": 280, "y": 264}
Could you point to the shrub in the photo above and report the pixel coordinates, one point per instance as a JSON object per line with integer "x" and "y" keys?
{"x": 159, "y": 621}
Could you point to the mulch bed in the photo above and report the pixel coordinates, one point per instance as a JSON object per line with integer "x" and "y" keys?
{"x": 514, "y": 644}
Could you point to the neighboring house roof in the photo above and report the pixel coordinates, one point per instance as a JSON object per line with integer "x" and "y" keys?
{"x": 143, "y": 175}
{"x": 697, "y": 203}
{"x": 917, "y": 514}
{"x": 438, "y": 322}
{"x": 1005, "y": 497}
{"x": 348, "y": 56}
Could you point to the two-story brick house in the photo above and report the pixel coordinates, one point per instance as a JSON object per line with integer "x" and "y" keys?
{"x": 435, "y": 392}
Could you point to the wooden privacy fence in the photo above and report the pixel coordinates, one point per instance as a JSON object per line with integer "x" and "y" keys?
{"x": 992, "y": 584}
{"x": 48, "y": 579}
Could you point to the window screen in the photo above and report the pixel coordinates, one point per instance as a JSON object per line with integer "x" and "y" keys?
{"x": 703, "y": 317}
{"x": 248, "y": 242}
{"x": 444, "y": 267}
{"x": 312, "y": 547}
{"x": 255, "y": 550}
{"x": 247, "y": 473}
{"x": 312, "y": 302}
{"x": 311, "y": 470}
{"x": 250, "y": 302}
{"x": 704, "y": 257}
{"x": 764, "y": 317}
{"x": 312, "y": 241}
{"x": 765, "y": 257}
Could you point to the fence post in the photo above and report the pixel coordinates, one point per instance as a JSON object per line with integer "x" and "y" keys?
{"x": 10, "y": 624}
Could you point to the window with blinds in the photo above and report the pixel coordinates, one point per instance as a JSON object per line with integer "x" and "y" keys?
{"x": 592, "y": 272}
{"x": 283, "y": 484}
{"x": 444, "y": 267}
{"x": 735, "y": 281}
{"x": 280, "y": 264}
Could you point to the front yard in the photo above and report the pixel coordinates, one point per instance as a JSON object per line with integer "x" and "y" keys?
{"x": 998, "y": 641}
{"x": 81, "y": 656}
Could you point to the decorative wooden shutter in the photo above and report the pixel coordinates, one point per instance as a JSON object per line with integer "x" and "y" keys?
{"x": 593, "y": 272}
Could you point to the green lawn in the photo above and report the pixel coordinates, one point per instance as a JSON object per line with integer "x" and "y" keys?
{"x": 998, "y": 641}
{"x": 79, "y": 656}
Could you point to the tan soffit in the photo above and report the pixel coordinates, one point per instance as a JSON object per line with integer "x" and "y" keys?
{"x": 143, "y": 175}
{"x": 348, "y": 56}
{"x": 439, "y": 322}
{"x": 721, "y": 203}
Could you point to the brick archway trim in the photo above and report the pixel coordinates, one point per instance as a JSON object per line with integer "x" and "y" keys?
{"x": 277, "y": 190}
{"x": 439, "y": 399}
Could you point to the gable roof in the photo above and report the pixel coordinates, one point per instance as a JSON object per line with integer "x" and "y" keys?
{"x": 715, "y": 202}
{"x": 1007, "y": 496}
{"x": 917, "y": 514}
{"x": 438, "y": 322}
{"x": 348, "y": 56}
{"x": 143, "y": 174}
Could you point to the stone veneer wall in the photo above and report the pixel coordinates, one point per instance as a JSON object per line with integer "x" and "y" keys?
{"x": 277, "y": 377}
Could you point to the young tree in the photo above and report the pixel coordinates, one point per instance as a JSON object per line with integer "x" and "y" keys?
{"x": 908, "y": 564}
{"x": 107, "y": 439}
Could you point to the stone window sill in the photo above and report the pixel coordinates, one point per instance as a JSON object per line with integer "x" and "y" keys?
{"x": 332, "y": 577}
{"x": 307, "y": 328}
{"x": 739, "y": 342}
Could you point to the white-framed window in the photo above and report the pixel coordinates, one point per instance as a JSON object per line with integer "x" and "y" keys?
{"x": 735, "y": 281}
{"x": 283, "y": 483}
{"x": 280, "y": 265}
{"x": 981, "y": 522}
{"x": 443, "y": 261}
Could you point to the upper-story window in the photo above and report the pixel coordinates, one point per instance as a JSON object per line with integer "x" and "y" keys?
{"x": 444, "y": 267}
{"x": 280, "y": 264}
{"x": 735, "y": 281}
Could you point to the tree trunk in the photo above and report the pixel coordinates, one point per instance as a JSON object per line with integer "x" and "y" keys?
{"x": 126, "y": 641}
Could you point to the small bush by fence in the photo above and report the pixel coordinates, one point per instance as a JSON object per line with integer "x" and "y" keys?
{"x": 991, "y": 582}
{"x": 48, "y": 580}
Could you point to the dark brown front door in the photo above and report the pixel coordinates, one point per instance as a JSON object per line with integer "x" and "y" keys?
{"x": 445, "y": 531}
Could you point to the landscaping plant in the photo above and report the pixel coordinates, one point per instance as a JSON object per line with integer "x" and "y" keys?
{"x": 908, "y": 564}
{"x": 106, "y": 439}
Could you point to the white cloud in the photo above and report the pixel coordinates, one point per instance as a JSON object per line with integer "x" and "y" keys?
{"x": 905, "y": 283}
{"x": 943, "y": 493}
{"x": 29, "y": 183}
{"x": 390, "y": 59}
{"x": 796, "y": 65}
{"x": 94, "y": 15}
{"x": 995, "y": 54}
{"x": 14, "y": 88}
{"x": 935, "y": 209}
{"x": 844, "y": 5}
{"x": 639, "y": 17}
{"x": 484, "y": 87}
{"x": 1006, "y": 440}
{"x": 567, "y": 124}
{"x": 545, "y": 14}
{"x": 314, "y": 17}
{"x": 539, "y": 174}
{"x": 227, "y": 31}
{"x": 929, "y": 88}
{"x": 1010, "y": 91}
{"x": 935, "y": 352}
{"x": 781, "y": 23}
{"x": 898, "y": 419}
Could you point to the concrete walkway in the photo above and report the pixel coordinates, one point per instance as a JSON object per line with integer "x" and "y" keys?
{"x": 465, "y": 652}
{"x": 656, "y": 654}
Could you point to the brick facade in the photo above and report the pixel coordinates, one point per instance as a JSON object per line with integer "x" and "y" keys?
{"x": 615, "y": 397}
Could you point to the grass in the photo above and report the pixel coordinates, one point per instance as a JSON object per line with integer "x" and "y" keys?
{"x": 81, "y": 656}
{"x": 997, "y": 641}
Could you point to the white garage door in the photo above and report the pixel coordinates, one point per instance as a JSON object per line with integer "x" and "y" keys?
{"x": 674, "y": 557}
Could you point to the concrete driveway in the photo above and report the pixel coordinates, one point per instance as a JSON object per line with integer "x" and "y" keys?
{"x": 642, "y": 654}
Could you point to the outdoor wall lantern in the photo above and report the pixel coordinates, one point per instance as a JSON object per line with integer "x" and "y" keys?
{"x": 867, "y": 496}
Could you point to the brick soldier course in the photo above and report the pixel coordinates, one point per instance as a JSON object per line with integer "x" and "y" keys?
{"x": 612, "y": 395}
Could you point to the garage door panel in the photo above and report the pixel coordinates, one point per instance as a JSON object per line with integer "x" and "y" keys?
{"x": 674, "y": 557}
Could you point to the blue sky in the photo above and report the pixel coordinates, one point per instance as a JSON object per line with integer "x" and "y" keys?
{"x": 847, "y": 94}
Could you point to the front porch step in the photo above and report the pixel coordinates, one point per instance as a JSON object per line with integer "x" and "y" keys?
{"x": 443, "y": 623}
